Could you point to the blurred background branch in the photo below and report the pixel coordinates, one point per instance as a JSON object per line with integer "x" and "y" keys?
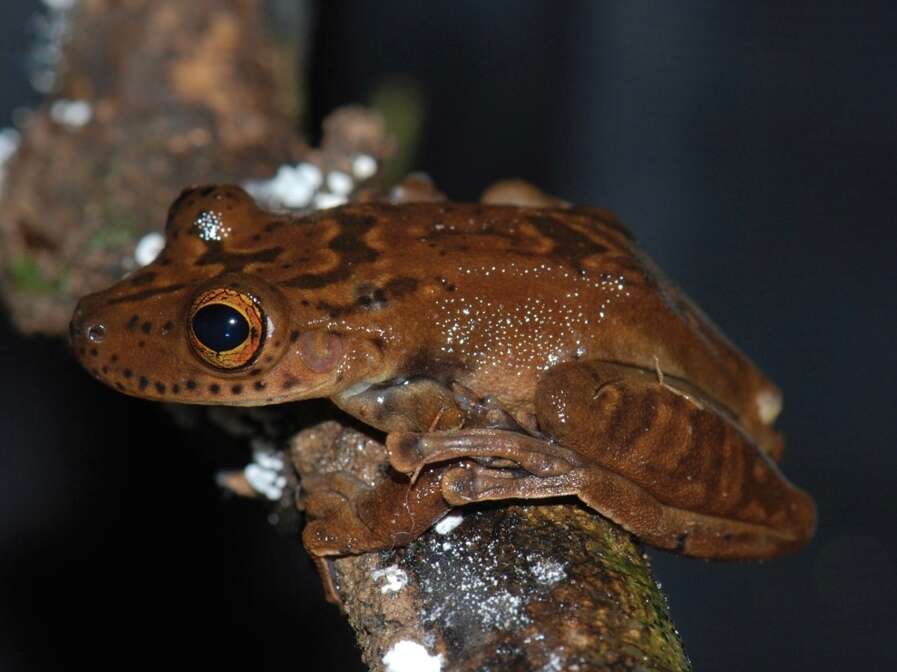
{"x": 155, "y": 95}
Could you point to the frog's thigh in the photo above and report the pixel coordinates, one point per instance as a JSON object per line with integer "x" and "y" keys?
{"x": 668, "y": 467}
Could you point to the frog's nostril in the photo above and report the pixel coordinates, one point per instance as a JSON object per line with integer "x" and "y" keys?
{"x": 96, "y": 333}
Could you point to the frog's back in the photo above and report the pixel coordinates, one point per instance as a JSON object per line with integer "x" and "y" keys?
{"x": 496, "y": 294}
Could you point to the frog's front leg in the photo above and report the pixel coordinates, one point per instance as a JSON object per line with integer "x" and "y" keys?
{"x": 346, "y": 516}
{"x": 659, "y": 461}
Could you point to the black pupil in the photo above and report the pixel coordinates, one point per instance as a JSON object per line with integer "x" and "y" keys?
{"x": 220, "y": 327}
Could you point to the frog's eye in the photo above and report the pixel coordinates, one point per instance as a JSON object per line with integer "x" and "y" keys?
{"x": 225, "y": 328}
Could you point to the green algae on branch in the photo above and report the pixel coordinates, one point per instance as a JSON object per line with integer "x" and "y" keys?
{"x": 25, "y": 275}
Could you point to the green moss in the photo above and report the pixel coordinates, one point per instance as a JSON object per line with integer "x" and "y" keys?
{"x": 656, "y": 637}
{"x": 25, "y": 275}
{"x": 119, "y": 229}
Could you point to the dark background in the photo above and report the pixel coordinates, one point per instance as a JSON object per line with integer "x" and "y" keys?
{"x": 753, "y": 150}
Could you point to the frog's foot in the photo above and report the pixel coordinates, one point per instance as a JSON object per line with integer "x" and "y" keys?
{"x": 346, "y": 516}
{"x": 333, "y": 526}
{"x": 409, "y": 452}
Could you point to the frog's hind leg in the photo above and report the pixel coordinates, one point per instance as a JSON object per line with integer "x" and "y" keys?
{"x": 658, "y": 461}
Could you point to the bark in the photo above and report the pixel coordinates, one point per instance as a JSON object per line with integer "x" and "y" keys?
{"x": 506, "y": 587}
{"x": 184, "y": 92}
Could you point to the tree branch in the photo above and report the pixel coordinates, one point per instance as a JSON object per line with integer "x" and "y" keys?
{"x": 179, "y": 92}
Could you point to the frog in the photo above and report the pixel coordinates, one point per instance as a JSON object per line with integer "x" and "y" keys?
{"x": 514, "y": 348}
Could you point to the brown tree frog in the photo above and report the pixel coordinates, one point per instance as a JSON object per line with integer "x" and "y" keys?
{"x": 516, "y": 348}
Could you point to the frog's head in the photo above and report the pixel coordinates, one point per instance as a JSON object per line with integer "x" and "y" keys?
{"x": 205, "y": 322}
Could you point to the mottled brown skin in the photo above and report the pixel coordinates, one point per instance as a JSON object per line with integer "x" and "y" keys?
{"x": 508, "y": 352}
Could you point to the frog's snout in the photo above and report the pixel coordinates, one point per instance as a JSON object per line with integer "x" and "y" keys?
{"x": 84, "y": 328}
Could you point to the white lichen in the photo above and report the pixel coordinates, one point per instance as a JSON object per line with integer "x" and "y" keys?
{"x": 265, "y": 474}
{"x": 148, "y": 248}
{"x": 448, "y": 523}
{"x": 325, "y": 200}
{"x": 547, "y": 571}
{"x": 71, "y": 113}
{"x": 474, "y": 585}
{"x": 409, "y": 656}
{"x": 339, "y": 183}
{"x": 60, "y": 5}
{"x": 294, "y": 186}
{"x": 364, "y": 167}
{"x": 394, "y": 579}
{"x": 9, "y": 144}
{"x": 52, "y": 30}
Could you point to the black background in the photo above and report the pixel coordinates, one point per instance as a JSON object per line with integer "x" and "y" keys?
{"x": 751, "y": 146}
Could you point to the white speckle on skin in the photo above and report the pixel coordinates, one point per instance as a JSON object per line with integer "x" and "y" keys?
{"x": 149, "y": 248}
{"x": 449, "y": 523}
{"x": 339, "y": 183}
{"x": 364, "y": 166}
{"x": 209, "y": 226}
{"x": 394, "y": 579}
{"x": 408, "y": 656}
{"x": 73, "y": 113}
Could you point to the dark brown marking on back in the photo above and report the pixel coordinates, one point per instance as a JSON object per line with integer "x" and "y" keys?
{"x": 236, "y": 389}
{"x": 289, "y": 382}
{"x": 236, "y": 262}
{"x": 160, "y": 387}
{"x": 166, "y": 328}
{"x": 191, "y": 384}
{"x": 606, "y": 219}
{"x": 570, "y": 246}
{"x": 133, "y": 323}
{"x": 145, "y": 294}
{"x": 146, "y": 327}
{"x": 143, "y": 278}
{"x": 349, "y": 246}
{"x": 214, "y": 388}
{"x": 259, "y": 385}
{"x": 143, "y": 383}
{"x": 400, "y": 286}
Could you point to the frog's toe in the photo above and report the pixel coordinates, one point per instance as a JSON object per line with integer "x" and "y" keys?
{"x": 475, "y": 483}
{"x": 406, "y": 453}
